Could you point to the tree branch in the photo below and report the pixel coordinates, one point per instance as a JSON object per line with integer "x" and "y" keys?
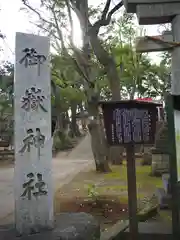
{"x": 50, "y": 33}
{"x": 70, "y": 20}
{"x": 117, "y": 7}
{"x": 106, "y": 9}
{"x": 106, "y": 18}
{"x": 58, "y": 29}
{"x": 25, "y": 2}
{"x": 78, "y": 60}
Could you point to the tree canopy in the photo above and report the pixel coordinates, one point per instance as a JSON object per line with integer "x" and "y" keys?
{"x": 104, "y": 66}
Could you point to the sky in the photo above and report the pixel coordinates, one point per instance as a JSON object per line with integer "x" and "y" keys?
{"x": 13, "y": 20}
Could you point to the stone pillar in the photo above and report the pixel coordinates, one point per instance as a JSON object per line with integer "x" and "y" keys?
{"x": 164, "y": 194}
{"x": 147, "y": 155}
{"x": 32, "y": 130}
{"x": 160, "y": 154}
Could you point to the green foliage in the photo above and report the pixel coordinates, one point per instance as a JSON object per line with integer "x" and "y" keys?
{"x": 92, "y": 192}
{"x": 6, "y": 88}
{"x": 138, "y": 75}
{"x": 67, "y": 84}
{"x": 62, "y": 141}
{"x": 6, "y": 100}
{"x": 143, "y": 177}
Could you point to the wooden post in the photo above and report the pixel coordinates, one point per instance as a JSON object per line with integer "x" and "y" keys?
{"x": 33, "y": 144}
{"x": 132, "y": 192}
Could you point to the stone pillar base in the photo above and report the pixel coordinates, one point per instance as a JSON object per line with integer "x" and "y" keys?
{"x": 160, "y": 163}
{"x": 71, "y": 226}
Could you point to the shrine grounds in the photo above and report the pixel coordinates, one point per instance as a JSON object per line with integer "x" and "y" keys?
{"x": 78, "y": 188}
{"x": 105, "y": 195}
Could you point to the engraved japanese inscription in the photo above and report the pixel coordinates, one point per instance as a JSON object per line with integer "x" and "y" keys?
{"x": 32, "y": 125}
{"x": 33, "y": 99}
{"x": 32, "y": 139}
{"x": 34, "y": 186}
{"x": 31, "y": 58}
{"x": 129, "y": 122}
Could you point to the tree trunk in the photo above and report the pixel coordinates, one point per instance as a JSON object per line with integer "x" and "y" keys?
{"x": 64, "y": 120}
{"x": 101, "y": 159}
{"x": 98, "y": 142}
{"x": 73, "y": 118}
{"x": 115, "y": 153}
{"x": 97, "y": 138}
{"x": 59, "y": 122}
{"x": 83, "y": 119}
{"x": 109, "y": 65}
{"x": 53, "y": 126}
{"x": 132, "y": 92}
{"x": 74, "y": 129}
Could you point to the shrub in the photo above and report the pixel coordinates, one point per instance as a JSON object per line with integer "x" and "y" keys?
{"x": 61, "y": 141}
